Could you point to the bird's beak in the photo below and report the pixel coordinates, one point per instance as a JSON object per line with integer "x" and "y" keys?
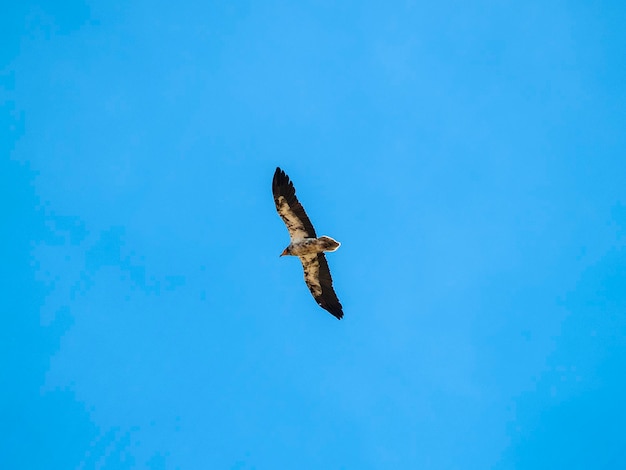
{"x": 284, "y": 252}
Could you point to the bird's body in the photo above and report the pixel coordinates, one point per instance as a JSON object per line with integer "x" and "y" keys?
{"x": 306, "y": 245}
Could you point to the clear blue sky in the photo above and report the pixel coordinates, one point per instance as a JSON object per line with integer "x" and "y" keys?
{"x": 470, "y": 156}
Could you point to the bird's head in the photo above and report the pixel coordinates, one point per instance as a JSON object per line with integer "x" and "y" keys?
{"x": 286, "y": 252}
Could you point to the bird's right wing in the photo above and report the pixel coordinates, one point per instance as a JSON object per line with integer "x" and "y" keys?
{"x": 290, "y": 209}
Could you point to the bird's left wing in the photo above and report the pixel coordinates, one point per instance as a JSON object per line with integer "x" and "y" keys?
{"x": 319, "y": 282}
{"x": 290, "y": 209}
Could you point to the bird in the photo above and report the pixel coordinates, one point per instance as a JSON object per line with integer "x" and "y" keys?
{"x": 306, "y": 245}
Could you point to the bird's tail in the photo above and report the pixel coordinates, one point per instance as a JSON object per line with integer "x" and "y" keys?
{"x": 329, "y": 244}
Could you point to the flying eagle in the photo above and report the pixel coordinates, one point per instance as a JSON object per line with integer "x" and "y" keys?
{"x": 306, "y": 245}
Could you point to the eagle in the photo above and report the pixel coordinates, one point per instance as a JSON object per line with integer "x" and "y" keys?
{"x": 306, "y": 245}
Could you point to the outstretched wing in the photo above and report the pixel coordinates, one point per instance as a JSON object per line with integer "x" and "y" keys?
{"x": 319, "y": 282}
{"x": 290, "y": 209}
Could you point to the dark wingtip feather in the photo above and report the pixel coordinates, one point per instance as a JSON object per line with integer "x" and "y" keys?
{"x": 335, "y": 311}
{"x": 275, "y": 180}
{"x": 331, "y": 304}
{"x": 282, "y": 185}
{"x": 280, "y": 174}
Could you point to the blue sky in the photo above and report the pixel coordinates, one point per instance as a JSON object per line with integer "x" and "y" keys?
{"x": 471, "y": 158}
